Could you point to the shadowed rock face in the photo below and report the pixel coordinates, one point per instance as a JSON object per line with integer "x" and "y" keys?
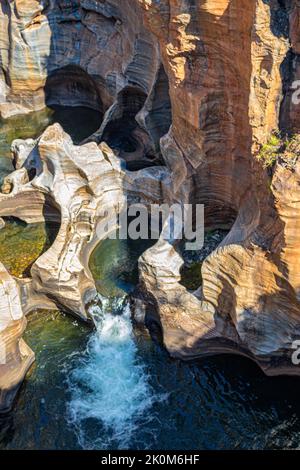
{"x": 71, "y": 85}
{"x": 199, "y": 85}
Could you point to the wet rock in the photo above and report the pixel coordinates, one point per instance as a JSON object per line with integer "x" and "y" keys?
{"x": 15, "y": 356}
{"x": 83, "y": 185}
{"x": 215, "y": 71}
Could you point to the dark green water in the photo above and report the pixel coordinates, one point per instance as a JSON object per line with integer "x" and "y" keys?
{"x": 115, "y": 388}
{"x": 114, "y": 265}
{"x": 219, "y": 403}
{"x": 22, "y": 244}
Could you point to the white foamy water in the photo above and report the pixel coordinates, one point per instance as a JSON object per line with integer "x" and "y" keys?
{"x": 110, "y": 391}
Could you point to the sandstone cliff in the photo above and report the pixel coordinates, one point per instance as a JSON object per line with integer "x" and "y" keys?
{"x": 231, "y": 65}
{"x": 199, "y": 86}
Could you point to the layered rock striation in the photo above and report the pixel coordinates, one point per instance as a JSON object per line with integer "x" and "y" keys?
{"x": 229, "y": 64}
{"x": 78, "y": 187}
{"x": 196, "y": 87}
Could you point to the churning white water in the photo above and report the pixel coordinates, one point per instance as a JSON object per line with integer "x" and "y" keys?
{"x": 110, "y": 390}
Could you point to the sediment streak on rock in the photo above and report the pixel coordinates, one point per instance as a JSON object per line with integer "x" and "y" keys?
{"x": 248, "y": 303}
{"x": 223, "y": 70}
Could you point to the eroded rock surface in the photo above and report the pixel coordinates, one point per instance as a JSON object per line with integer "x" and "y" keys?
{"x": 15, "y": 356}
{"x": 237, "y": 52}
{"x": 77, "y": 187}
{"x": 198, "y": 86}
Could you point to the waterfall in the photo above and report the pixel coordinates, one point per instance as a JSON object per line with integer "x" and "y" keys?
{"x": 110, "y": 391}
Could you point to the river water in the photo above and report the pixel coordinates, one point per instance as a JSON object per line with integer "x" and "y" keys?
{"x": 113, "y": 387}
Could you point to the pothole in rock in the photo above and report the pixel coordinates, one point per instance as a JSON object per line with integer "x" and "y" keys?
{"x": 124, "y": 135}
{"x": 114, "y": 265}
{"x": 74, "y": 98}
{"x": 131, "y": 143}
{"x": 191, "y": 277}
{"x": 118, "y": 135}
{"x": 21, "y": 244}
{"x": 77, "y": 121}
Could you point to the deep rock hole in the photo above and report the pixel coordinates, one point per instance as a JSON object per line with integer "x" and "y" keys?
{"x": 75, "y": 101}
{"x": 74, "y": 98}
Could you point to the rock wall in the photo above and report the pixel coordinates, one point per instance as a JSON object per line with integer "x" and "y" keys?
{"x": 200, "y": 84}
{"x": 229, "y": 65}
{"x": 105, "y": 41}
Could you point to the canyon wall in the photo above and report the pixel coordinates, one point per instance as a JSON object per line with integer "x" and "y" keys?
{"x": 97, "y": 47}
{"x": 199, "y": 86}
{"x": 231, "y": 66}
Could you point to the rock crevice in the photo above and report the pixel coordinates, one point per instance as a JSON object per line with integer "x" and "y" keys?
{"x": 189, "y": 92}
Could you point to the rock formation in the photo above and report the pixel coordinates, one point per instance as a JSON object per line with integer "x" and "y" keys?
{"x": 78, "y": 187}
{"x": 189, "y": 92}
{"x": 239, "y": 55}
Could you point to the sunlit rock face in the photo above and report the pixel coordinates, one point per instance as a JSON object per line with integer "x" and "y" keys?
{"x": 72, "y": 52}
{"x": 229, "y": 65}
{"x": 198, "y": 86}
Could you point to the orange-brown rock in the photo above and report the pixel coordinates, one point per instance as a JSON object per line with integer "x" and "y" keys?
{"x": 201, "y": 84}
{"x": 225, "y": 60}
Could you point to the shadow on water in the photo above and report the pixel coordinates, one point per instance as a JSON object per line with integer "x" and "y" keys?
{"x": 79, "y": 122}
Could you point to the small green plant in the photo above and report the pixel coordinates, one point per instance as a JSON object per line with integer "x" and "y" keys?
{"x": 275, "y": 140}
{"x": 270, "y": 151}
